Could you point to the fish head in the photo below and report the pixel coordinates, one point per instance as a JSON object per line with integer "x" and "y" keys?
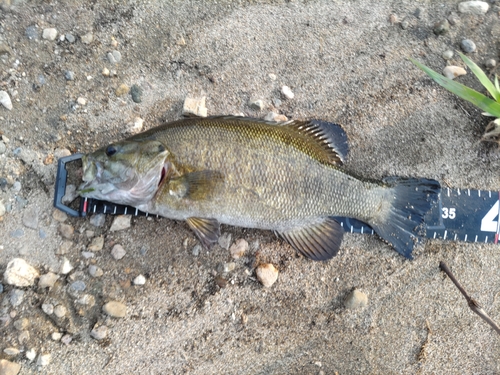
{"x": 126, "y": 172}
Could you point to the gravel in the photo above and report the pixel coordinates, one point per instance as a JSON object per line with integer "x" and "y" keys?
{"x": 453, "y": 72}
{"x": 115, "y": 309}
{"x": 468, "y": 46}
{"x": 356, "y": 299}
{"x": 118, "y": 252}
{"x": 120, "y": 222}
{"x": 473, "y": 7}
{"x": 267, "y": 274}
{"x": 47, "y": 280}
{"x": 9, "y": 368}
{"x": 5, "y": 100}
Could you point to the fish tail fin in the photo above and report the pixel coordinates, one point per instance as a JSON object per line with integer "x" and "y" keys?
{"x": 401, "y": 223}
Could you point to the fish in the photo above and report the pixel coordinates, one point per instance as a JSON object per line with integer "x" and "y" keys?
{"x": 285, "y": 177}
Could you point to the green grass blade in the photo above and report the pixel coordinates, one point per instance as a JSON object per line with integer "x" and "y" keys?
{"x": 476, "y": 98}
{"x": 483, "y": 78}
{"x": 496, "y": 83}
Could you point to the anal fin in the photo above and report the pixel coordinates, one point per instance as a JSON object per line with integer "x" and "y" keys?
{"x": 318, "y": 241}
{"x": 207, "y": 230}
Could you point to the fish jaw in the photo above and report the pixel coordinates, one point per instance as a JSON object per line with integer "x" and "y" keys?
{"x": 132, "y": 179}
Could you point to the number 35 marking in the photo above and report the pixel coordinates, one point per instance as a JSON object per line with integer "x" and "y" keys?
{"x": 449, "y": 213}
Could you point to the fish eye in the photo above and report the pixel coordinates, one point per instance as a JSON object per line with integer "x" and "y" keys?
{"x": 110, "y": 150}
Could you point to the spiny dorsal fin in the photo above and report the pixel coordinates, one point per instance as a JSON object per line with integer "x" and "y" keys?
{"x": 207, "y": 230}
{"x": 195, "y": 185}
{"x": 318, "y": 241}
{"x": 326, "y": 138}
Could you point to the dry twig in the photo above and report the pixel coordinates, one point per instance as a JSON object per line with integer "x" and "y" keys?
{"x": 473, "y": 304}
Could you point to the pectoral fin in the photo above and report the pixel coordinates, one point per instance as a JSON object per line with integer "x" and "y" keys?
{"x": 207, "y": 230}
{"x": 318, "y": 241}
{"x": 195, "y": 185}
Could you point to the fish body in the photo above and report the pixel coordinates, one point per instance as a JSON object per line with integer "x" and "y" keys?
{"x": 255, "y": 174}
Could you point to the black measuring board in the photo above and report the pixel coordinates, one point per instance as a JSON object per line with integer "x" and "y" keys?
{"x": 457, "y": 215}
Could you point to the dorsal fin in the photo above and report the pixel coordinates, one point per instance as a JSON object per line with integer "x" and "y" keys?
{"x": 326, "y": 138}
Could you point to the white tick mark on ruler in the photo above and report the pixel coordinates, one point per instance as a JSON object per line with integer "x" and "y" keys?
{"x": 445, "y": 233}
{"x": 468, "y": 192}
{"x": 434, "y": 235}
{"x": 351, "y": 229}
{"x": 465, "y": 239}
{"x": 455, "y": 237}
{"x": 114, "y": 211}
{"x": 475, "y": 239}
{"x": 448, "y": 190}
{"x": 479, "y": 193}
{"x": 486, "y": 239}
{"x": 125, "y": 211}
{"x": 136, "y": 210}
{"x": 105, "y": 207}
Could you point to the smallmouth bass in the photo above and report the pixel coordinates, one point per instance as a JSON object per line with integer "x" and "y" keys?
{"x": 285, "y": 177}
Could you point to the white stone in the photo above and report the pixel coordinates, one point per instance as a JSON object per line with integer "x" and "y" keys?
{"x": 81, "y": 101}
{"x": 239, "y": 248}
{"x": 356, "y": 299}
{"x": 267, "y": 274}
{"x": 20, "y": 273}
{"x": 9, "y": 368}
{"x": 87, "y": 38}
{"x": 115, "y": 309}
{"x": 474, "y": 7}
{"x": 96, "y": 244}
{"x": 48, "y": 308}
{"x": 120, "y": 222}
{"x": 287, "y": 92}
{"x": 49, "y": 33}
{"x": 11, "y": 352}
{"x": 140, "y": 280}
{"x": 453, "y": 72}
{"x": 56, "y": 336}
{"x": 43, "y": 359}
{"x": 60, "y": 311}
{"x": 118, "y": 252}
{"x": 66, "y": 267}
{"x": 99, "y": 333}
{"x": 31, "y": 354}
{"x": 5, "y": 100}
{"x": 48, "y": 280}
{"x": 195, "y": 106}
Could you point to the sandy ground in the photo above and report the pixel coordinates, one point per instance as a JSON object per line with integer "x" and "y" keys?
{"x": 345, "y": 62}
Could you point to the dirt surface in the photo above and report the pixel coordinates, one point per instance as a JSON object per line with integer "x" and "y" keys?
{"x": 346, "y": 62}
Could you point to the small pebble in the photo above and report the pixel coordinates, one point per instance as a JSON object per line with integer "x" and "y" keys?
{"x": 81, "y": 101}
{"x": 19, "y": 273}
{"x": 60, "y": 311}
{"x": 70, "y": 38}
{"x": 115, "y": 309}
{"x": 474, "y": 7}
{"x": 69, "y": 75}
{"x": 454, "y": 19}
{"x": 468, "y": 46}
{"x": 16, "y": 186}
{"x": 49, "y": 33}
{"x": 86, "y": 300}
{"x": 405, "y": 24}
{"x": 18, "y": 233}
{"x": 66, "y": 231}
{"x": 356, "y": 299}
{"x": 136, "y": 93}
{"x": 267, "y": 274}
{"x": 196, "y": 250}
{"x": 9, "y": 368}
{"x": 447, "y": 55}
{"x": 30, "y": 218}
{"x": 78, "y": 286}
{"x": 120, "y": 222}
{"x": 16, "y": 297}
{"x": 43, "y": 359}
{"x": 239, "y": 248}
{"x": 21, "y": 324}
{"x": 56, "y": 336}
{"x": 453, "y": 72}
{"x": 195, "y": 106}
{"x": 87, "y": 38}
{"x": 287, "y": 92}
{"x": 136, "y": 126}
{"x": 3, "y": 148}
{"x": 441, "y": 27}
{"x": 118, "y": 252}
{"x": 121, "y": 90}
{"x": 31, "y": 32}
{"x": 276, "y": 117}
{"x": 42, "y": 234}
{"x": 5, "y": 100}
{"x": 2, "y": 209}
{"x": 64, "y": 248}
{"x": 99, "y": 332}
{"x": 31, "y": 354}
{"x": 105, "y": 72}
{"x": 48, "y": 280}
{"x": 97, "y": 244}
{"x": 48, "y": 308}
{"x": 225, "y": 240}
{"x": 59, "y": 215}
{"x": 490, "y": 63}
{"x": 88, "y": 254}
{"x": 66, "y": 339}
{"x": 95, "y": 271}
{"x": 66, "y": 267}
{"x": 114, "y": 57}
{"x": 257, "y": 104}
{"x": 98, "y": 220}
{"x": 140, "y": 280}
{"x": 61, "y": 152}
{"x": 272, "y": 76}
{"x": 11, "y": 352}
